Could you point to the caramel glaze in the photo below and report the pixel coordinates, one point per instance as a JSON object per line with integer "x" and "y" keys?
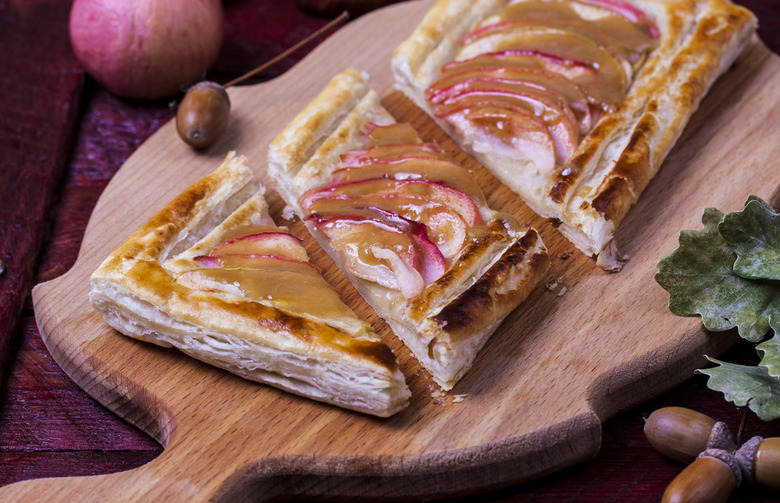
{"x": 631, "y": 37}
{"x": 520, "y": 38}
{"x": 398, "y": 148}
{"x": 249, "y": 229}
{"x": 153, "y": 283}
{"x": 150, "y": 241}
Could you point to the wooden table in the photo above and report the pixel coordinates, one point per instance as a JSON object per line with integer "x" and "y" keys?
{"x": 63, "y": 139}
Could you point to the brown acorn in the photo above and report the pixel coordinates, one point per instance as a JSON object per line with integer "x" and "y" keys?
{"x": 678, "y": 433}
{"x": 767, "y": 464}
{"x": 706, "y": 480}
{"x": 203, "y": 114}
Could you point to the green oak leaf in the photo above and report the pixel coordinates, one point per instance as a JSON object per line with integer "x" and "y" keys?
{"x": 754, "y": 235}
{"x": 746, "y": 385}
{"x": 770, "y": 355}
{"x": 700, "y": 280}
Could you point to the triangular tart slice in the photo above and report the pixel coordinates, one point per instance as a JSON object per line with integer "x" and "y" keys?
{"x": 406, "y": 223}
{"x": 212, "y": 275}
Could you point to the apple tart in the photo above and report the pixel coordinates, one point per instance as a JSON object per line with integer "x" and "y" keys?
{"x": 212, "y": 275}
{"x": 573, "y": 104}
{"x": 407, "y": 225}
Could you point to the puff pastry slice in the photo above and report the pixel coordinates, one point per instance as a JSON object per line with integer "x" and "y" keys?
{"x": 212, "y": 275}
{"x": 406, "y": 224}
{"x": 573, "y": 104}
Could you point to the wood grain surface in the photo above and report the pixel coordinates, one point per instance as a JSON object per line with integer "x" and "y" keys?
{"x": 585, "y": 346}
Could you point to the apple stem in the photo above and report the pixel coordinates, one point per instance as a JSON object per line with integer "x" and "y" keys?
{"x": 344, "y": 16}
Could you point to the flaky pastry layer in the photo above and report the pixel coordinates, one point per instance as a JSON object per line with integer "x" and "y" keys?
{"x": 451, "y": 320}
{"x": 136, "y": 291}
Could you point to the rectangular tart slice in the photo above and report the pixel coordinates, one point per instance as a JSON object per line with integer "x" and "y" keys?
{"x": 212, "y": 275}
{"x": 406, "y": 224}
{"x": 573, "y": 104}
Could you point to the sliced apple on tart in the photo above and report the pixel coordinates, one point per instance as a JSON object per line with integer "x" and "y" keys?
{"x": 407, "y": 224}
{"x": 635, "y": 70}
{"x": 213, "y": 276}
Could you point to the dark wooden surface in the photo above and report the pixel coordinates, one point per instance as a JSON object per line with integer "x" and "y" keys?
{"x": 62, "y": 139}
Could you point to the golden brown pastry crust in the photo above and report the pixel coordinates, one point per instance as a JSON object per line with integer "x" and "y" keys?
{"x": 451, "y": 320}
{"x": 613, "y": 164}
{"x": 136, "y": 291}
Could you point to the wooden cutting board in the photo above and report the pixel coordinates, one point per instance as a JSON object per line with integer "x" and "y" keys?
{"x": 585, "y": 345}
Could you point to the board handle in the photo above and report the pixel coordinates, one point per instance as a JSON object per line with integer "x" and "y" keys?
{"x": 164, "y": 479}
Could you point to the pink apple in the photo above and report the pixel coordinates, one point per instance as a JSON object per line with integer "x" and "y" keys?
{"x": 367, "y": 156}
{"x": 557, "y": 117}
{"x": 521, "y": 58}
{"x": 384, "y": 249}
{"x": 443, "y": 226}
{"x": 440, "y": 171}
{"x": 628, "y": 11}
{"x": 553, "y": 41}
{"x": 146, "y": 49}
{"x": 264, "y": 243}
{"x": 276, "y": 262}
{"x": 397, "y": 132}
{"x": 456, "y": 200}
{"x": 456, "y": 82}
{"x": 514, "y": 134}
{"x": 600, "y": 91}
{"x": 620, "y": 37}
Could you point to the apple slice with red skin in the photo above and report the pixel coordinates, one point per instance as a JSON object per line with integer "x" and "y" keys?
{"x": 628, "y": 11}
{"x": 559, "y": 42}
{"x": 510, "y": 58}
{"x": 394, "y": 264}
{"x": 369, "y": 155}
{"x": 276, "y": 262}
{"x": 357, "y": 159}
{"x": 627, "y": 23}
{"x": 397, "y": 132}
{"x": 625, "y": 41}
{"x": 562, "y": 127}
{"x": 455, "y": 82}
{"x": 440, "y": 171}
{"x": 384, "y": 248}
{"x": 444, "y": 227}
{"x": 209, "y": 262}
{"x": 528, "y": 9}
{"x": 370, "y": 214}
{"x": 264, "y": 243}
{"x": 458, "y": 201}
{"x": 514, "y": 134}
{"x": 563, "y": 9}
{"x": 600, "y": 92}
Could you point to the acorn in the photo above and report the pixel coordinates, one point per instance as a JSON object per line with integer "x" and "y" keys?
{"x": 706, "y": 480}
{"x": 204, "y": 111}
{"x": 203, "y": 114}
{"x": 766, "y": 464}
{"x": 717, "y": 467}
{"x": 681, "y": 434}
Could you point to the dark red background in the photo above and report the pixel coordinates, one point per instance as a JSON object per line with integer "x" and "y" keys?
{"x": 62, "y": 138}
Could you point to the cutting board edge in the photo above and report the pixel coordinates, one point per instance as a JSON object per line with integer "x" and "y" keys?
{"x": 489, "y": 466}
{"x": 445, "y": 474}
{"x": 112, "y": 390}
{"x": 656, "y": 372}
